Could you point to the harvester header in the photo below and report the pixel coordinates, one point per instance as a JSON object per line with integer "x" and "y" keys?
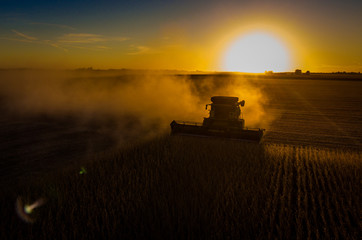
{"x": 224, "y": 121}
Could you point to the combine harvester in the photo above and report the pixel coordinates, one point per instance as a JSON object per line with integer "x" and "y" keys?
{"x": 224, "y": 121}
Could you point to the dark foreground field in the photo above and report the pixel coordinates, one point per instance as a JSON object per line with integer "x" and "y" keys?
{"x": 184, "y": 187}
{"x": 301, "y": 182}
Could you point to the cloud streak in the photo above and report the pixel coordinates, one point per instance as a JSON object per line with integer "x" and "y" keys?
{"x": 87, "y": 41}
{"x": 88, "y": 38}
{"x": 138, "y": 50}
{"x": 24, "y": 35}
{"x": 15, "y": 39}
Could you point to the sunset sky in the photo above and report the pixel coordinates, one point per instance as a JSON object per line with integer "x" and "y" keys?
{"x": 320, "y": 36}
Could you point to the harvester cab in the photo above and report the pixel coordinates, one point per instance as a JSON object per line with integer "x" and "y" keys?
{"x": 224, "y": 113}
{"x": 224, "y": 121}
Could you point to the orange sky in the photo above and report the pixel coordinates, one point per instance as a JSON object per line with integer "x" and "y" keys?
{"x": 189, "y": 36}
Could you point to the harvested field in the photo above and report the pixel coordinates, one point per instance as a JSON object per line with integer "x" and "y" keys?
{"x": 301, "y": 181}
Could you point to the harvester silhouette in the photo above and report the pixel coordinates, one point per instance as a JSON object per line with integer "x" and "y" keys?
{"x": 224, "y": 121}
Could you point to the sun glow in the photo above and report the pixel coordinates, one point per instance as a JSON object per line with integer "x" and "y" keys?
{"x": 256, "y": 52}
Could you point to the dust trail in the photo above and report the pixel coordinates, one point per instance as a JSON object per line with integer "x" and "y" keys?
{"x": 136, "y": 104}
{"x": 130, "y": 104}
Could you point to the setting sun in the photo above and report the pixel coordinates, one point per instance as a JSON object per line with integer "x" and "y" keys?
{"x": 256, "y": 52}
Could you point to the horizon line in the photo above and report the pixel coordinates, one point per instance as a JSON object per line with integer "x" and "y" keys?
{"x": 267, "y": 72}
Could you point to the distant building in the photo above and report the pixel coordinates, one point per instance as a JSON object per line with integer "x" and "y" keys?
{"x": 269, "y": 72}
{"x": 298, "y": 71}
{"x": 307, "y": 72}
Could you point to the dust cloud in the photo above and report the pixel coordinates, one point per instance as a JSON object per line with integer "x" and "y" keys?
{"x": 126, "y": 103}
{"x": 248, "y": 89}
